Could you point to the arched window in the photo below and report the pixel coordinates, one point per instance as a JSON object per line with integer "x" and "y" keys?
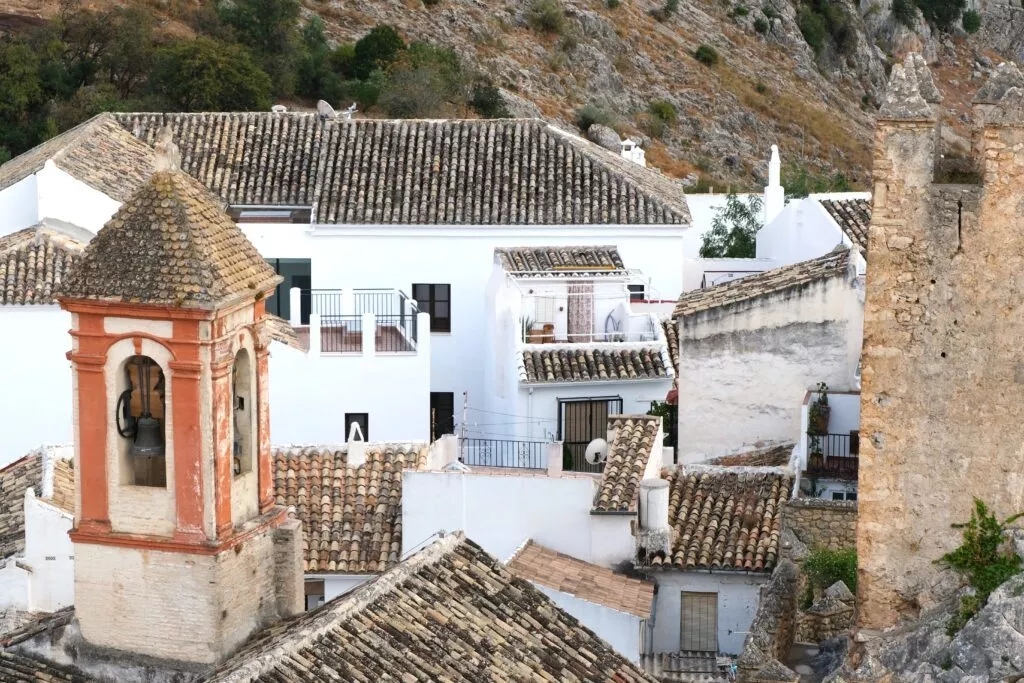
{"x": 241, "y": 413}
{"x": 140, "y": 421}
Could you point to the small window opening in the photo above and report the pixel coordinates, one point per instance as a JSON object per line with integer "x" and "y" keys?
{"x": 241, "y": 414}
{"x": 141, "y": 421}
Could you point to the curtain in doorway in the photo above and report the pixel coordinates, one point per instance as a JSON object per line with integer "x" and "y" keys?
{"x": 581, "y": 311}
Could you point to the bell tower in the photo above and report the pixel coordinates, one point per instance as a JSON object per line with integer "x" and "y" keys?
{"x": 180, "y": 550}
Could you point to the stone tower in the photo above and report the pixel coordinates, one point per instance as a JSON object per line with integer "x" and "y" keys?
{"x": 942, "y": 415}
{"x": 180, "y": 551}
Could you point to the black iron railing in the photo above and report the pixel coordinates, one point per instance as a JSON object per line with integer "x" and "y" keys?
{"x": 580, "y": 421}
{"x": 503, "y": 453}
{"x": 833, "y": 454}
{"x": 341, "y": 334}
{"x": 396, "y": 333}
{"x": 384, "y": 302}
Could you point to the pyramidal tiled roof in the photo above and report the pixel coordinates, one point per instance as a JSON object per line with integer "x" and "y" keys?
{"x": 560, "y": 260}
{"x": 371, "y": 171}
{"x": 351, "y": 516}
{"x": 724, "y": 518}
{"x": 34, "y": 261}
{"x": 833, "y": 264}
{"x": 171, "y": 244}
{"x": 634, "y": 438}
{"x": 451, "y": 612}
{"x": 98, "y": 152}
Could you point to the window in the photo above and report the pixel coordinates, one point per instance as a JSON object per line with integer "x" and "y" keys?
{"x": 362, "y": 419}
{"x": 698, "y": 627}
{"x": 296, "y": 273}
{"x": 437, "y": 301}
{"x": 139, "y": 414}
{"x": 637, "y": 292}
{"x": 442, "y": 414}
{"x": 580, "y": 421}
{"x": 314, "y": 594}
{"x": 241, "y": 411}
{"x": 844, "y": 495}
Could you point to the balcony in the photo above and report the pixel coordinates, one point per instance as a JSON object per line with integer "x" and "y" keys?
{"x": 356, "y": 321}
{"x": 834, "y": 456}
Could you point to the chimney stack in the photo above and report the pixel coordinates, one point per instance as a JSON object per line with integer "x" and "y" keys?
{"x": 774, "y": 193}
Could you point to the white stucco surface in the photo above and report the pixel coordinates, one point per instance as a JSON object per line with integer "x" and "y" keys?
{"x": 738, "y": 597}
{"x": 621, "y": 630}
{"x": 36, "y": 407}
{"x": 500, "y": 512}
{"x": 50, "y": 554}
{"x": 19, "y": 206}
{"x": 62, "y": 196}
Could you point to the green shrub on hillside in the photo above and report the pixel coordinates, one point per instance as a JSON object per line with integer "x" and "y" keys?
{"x": 971, "y": 21}
{"x": 706, "y": 55}
{"x": 547, "y": 16}
{"x": 942, "y": 14}
{"x": 591, "y": 114}
{"x": 663, "y": 110}
{"x": 905, "y": 12}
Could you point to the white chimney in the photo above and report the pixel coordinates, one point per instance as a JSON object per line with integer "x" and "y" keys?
{"x": 633, "y": 151}
{"x": 654, "y": 505}
{"x": 774, "y": 193}
{"x": 356, "y": 446}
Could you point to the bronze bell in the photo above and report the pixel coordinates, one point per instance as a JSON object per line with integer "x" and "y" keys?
{"x": 149, "y": 440}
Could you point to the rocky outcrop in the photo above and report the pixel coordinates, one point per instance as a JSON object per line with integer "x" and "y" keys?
{"x": 989, "y": 648}
{"x": 604, "y": 136}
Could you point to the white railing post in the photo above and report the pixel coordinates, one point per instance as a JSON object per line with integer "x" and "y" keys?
{"x": 423, "y": 335}
{"x": 554, "y": 456}
{"x": 314, "y": 334}
{"x": 348, "y": 302}
{"x": 369, "y": 334}
{"x": 295, "y": 306}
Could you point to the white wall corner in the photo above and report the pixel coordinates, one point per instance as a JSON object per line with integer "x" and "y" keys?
{"x": 314, "y": 335}
{"x": 369, "y": 330}
{"x": 295, "y": 306}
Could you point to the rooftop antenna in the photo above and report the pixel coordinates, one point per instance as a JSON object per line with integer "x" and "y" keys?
{"x": 348, "y": 113}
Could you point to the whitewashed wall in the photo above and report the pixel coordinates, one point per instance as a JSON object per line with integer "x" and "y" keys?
{"x": 803, "y": 230}
{"x": 309, "y": 395}
{"x": 35, "y": 406}
{"x": 397, "y": 257}
{"x": 63, "y": 197}
{"x": 500, "y": 512}
{"x": 738, "y": 597}
{"x": 721, "y": 270}
{"x": 19, "y": 207}
{"x": 743, "y": 370}
{"x": 50, "y": 554}
{"x": 621, "y": 630}
{"x": 339, "y": 584}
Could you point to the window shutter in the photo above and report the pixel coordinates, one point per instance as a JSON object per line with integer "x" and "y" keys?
{"x": 699, "y": 622}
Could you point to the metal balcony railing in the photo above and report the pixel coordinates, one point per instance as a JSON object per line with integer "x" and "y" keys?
{"x": 503, "y": 453}
{"x": 342, "y": 319}
{"x": 834, "y": 455}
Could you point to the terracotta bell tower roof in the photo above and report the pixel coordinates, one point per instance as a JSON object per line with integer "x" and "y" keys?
{"x": 171, "y": 243}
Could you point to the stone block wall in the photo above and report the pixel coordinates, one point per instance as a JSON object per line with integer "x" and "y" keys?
{"x": 774, "y": 626}
{"x": 818, "y": 523}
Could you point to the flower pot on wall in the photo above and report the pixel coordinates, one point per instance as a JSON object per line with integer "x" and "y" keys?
{"x": 818, "y": 419}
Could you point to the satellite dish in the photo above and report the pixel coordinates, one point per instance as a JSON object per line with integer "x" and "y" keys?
{"x": 325, "y": 110}
{"x": 597, "y": 451}
{"x": 279, "y": 109}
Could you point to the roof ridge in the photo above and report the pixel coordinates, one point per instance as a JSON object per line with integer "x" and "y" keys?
{"x": 519, "y": 550}
{"x": 346, "y": 606}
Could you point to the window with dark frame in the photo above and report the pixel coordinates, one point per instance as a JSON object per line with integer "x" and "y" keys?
{"x": 362, "y": 419}
{"x": 637, "y": 292}
{"x": 442, "y": 414}
{"x": 297, "y": 272}
{"x": 435, "y": 299}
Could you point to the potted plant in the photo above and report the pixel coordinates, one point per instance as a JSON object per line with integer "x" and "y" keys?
{"x": 526, "y": 326}
{"x": 819, "y": 412}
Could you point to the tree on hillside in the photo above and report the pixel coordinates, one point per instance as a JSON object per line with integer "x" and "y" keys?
{"x": 269, "y": 28}
{"x": 378, "y": 49}
{"x": 204, "y": 75}
{"x": 733, "y": 232}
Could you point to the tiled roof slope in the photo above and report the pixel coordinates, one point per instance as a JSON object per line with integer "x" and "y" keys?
{"x": 282, "y": 331}
{"x": 171, "y": 244}
{"x": 771, "y": 456}
{"x": 583, "y": 363}
{"x": 633, "y": 441}
{"x": 584, "y": 580}
{"x": 548, "y": 260}
{"x": 671, "y": 329}
{"x": 99, "y": 153}
{"x": 833, "y": 264}
{"x": 369, "y": 171}
{"x": 724, "y": 518}
{"x": 853, "y": 217}
{"x": 16, "y": 667}
{"x": 351, "y": 516}
{"x": 34, "y": 262}
{"x": 14, "y": 480}
{"x": 449, "y": 613}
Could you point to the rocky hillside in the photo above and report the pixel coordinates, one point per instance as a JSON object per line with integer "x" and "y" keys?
{"x": 760, "y": 82}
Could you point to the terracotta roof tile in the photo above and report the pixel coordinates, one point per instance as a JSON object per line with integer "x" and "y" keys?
{"x": 671, "y": 328}
{"x": 281, "y": 330}
{"x": 771, "y": 456}
{"x": 724, "y": 518}
{"x": 633, "y": 441}
{"x": 853, "y": 217}
{"x": 351, "y": 517}
{"x": 589, "y": 363}
{"x": 35, "y": 261}
{"x": 800, "y": 274}
{"x": 584, "y": 580}
{"x": 371, "y": 171}
{"x": 560, "y": 260}
{"x": 449, "y": 613}
{"x": 172, "y": 244}
{"x": 99, "y": 153}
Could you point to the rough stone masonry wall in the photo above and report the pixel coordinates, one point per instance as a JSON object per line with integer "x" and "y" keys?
{"x": 818, "y": 523}
{"x": 942, "y": 415}
{"x": 773, "y": 629}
